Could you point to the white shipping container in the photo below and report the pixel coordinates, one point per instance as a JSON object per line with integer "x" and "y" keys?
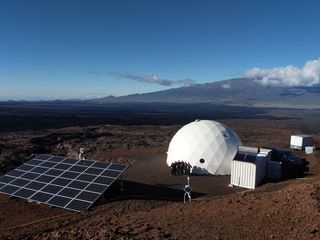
{"x": 248, "y": 174}
{"x": 299, "y": 142}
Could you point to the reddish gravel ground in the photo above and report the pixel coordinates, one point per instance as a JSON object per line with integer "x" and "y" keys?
{"x": 151, "y": 206}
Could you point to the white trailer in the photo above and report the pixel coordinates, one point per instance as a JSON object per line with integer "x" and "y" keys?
{"x": 299, "y": 142}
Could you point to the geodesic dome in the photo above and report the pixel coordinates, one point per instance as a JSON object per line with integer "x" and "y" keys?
{"x": 208, "y": 146}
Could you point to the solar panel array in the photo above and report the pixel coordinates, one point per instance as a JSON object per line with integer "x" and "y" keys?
{"x": 60, "y": 181}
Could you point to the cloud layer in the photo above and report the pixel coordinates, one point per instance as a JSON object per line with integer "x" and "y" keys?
{"x": 151, "y": 78}
{"x": 307, "y": 76}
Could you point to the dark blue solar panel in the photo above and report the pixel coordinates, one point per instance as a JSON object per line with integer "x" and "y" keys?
{"x": 9, "y": 189}
{"x": 104, "y": 180}
{"x": 39, "y": 170}
{"x": 48, "y": 164}
{"x": 111, "y": 173}
{"x": 69, "y": 192}
{"x": 102, "y": 165}
{"x": 24, "y": 193}
{"x": 43, "y": 157}
{"x": 6, "y": 179}
{"x": 20, "y": 182}
{"x": 70, "y": 175}
{"x": 116, "y": 166}
{"x": 86, "y": 163}
{"x": 59, "y": 201}
{"x": 62, "y": 182}
{"x": 78, "y": 184}
{"x": 51, "y": 189}
{"x": 41, "y": 197}
{"x": 35, "y": 185}
{"x": 98, "y": 188}
{"x": 34, "y": 162}
{"x": 15, "y": 173}
{"x": 62, "y": 166}
{"x": 54, "y": 172}
{"x": 25, "y": 167}
{"x": 79, "y": 206}
{"x": 95, "y": 171}
{"x": 86, "y": 177}
{"x": 88, "y": 196}
{"x": 56, "y": 159}
{"x": 30, "y": 175}
{"x": 70, "y": 161}
{"x": 45, "y": 179}
{"x": 78, "y": 168}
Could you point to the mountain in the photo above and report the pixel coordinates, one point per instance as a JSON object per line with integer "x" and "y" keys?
{"x": 239, "y": 91}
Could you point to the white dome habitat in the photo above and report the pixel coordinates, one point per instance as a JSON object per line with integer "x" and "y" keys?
{"x": 208, "y": 146}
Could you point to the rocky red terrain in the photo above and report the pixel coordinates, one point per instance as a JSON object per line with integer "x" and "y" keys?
{"x": 151, "y": 206}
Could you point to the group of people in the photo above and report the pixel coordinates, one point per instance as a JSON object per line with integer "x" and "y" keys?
{"x": 180, "y": 168}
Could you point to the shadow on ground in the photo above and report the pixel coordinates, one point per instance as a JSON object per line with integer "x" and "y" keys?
{"x": 135, "y": 190}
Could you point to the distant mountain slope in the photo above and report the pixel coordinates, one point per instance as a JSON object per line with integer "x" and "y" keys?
{"x": 240, "y": 91}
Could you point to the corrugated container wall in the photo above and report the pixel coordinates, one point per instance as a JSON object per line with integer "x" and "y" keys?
{"x": 248, "y": 174}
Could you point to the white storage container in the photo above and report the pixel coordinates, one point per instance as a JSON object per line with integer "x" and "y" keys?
{"x": 249, "y": 174}
{"x": 299, "y": 142}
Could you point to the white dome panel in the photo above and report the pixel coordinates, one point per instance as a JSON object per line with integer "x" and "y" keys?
{"x": 209, "y": 140}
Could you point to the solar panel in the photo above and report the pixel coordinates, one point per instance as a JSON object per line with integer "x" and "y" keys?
{"x": 62, "y": 182}
{"x": 25, "y": 167}
{"x": 6, "y": 179}
{"x": 98, "y": 188}
{"x": 9, "y": 189}
{"x": 94, "y": 171}
{"x": 30, "y": 175}
{"x": 15, "y": 173}
{"x": 41, "y": 197}
{"x": 24, "y": 193}
{"x": 62, "y": 166}
{"x": 20, "y": 182}
{"x": 69, "y": 192}
{"x": 77, "y": 205}
{"x": 35, "y": 185}
{"x": 43, "y": 157}
{"x": 39, "y": 169}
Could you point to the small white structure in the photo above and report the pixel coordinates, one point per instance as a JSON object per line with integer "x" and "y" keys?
{"x": 299, "y": 142}
{"x": 249, "y": 167}
{"x": 309, "y": 150}
{"x": 208, "y": 146}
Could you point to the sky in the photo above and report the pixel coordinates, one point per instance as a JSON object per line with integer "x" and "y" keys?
{"x": 62, "y": 49}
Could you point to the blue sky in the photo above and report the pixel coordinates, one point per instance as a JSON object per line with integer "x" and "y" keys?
{"x": 83, "y": 49}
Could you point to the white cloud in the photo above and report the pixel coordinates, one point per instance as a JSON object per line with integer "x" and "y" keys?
{"x": 226, "y": 85}
{"x": 152, "y": 78}
{"x": 308, "y": 75}
{"x": 186, "y": 82}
